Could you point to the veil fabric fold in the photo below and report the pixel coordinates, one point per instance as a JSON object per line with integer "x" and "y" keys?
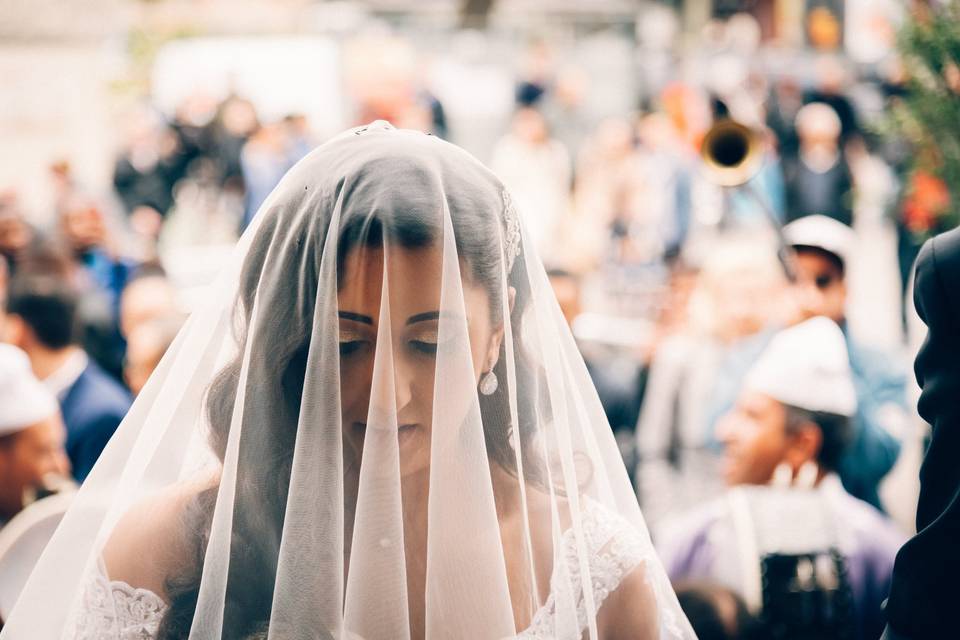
{"x": 377, "y": 425}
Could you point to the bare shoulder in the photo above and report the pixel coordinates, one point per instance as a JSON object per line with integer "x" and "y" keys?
{"x": 630, "y": 611}
{"x": 151, "y": 539}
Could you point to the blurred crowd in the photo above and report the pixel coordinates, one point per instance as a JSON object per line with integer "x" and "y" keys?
{"x": 676, "y": 287}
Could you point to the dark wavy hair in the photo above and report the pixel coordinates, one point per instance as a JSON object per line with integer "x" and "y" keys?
{"x": 277, "y": 365}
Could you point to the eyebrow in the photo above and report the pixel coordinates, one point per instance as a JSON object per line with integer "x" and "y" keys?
{"x": 422, "y": 317}
{"x": 356, "y": 317}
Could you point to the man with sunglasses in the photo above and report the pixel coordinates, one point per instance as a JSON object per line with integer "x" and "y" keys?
{"x": 822, "y": 247}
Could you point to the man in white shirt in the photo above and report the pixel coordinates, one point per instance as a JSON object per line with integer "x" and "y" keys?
{"x": 32, "y": 435}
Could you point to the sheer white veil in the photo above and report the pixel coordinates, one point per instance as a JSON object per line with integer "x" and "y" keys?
{"x": 376, "y": 426}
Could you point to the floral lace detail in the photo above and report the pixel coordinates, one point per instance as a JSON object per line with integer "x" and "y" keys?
{"x": 112, "y": 610}
{"x": 511, "y": 232}
{"x": 614, "y": 549}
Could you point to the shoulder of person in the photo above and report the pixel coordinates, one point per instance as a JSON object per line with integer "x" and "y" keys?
{"x": 871, "y": 527}
{"x": 679, "y": 537}
{"x": 631, "y": 610}
{"x": 152, "y": 539}
{"x": 107, "y": 389}
{"x": 95, "y": 399}
{"x": 877, "y": 367}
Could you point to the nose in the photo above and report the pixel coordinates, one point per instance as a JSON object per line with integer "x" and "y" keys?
{"x": 403, "y": 381}
{"x": 809, "y": 296}
{"x": 57, "y": 463}
{"x": 726, "y": 429}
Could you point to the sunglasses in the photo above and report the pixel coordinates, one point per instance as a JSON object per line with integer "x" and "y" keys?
{"x": 824, "y": 280}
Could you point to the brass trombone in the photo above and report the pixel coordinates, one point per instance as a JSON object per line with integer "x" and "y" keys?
{"x": 732, "y": 154}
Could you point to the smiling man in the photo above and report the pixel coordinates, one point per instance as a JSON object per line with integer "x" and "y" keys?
{"x": 822, "y": 248}
{"x": 809, "y": 558}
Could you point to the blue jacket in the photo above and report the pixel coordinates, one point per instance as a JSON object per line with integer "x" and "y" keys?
{"x": 877, "y": 427}
{"x": 92, "y": 409}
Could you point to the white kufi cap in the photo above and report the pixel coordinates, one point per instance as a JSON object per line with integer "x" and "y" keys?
{"x": 821, "y": 232}
{"x": 807, "y": 366}
{"x": 24, "y": 401}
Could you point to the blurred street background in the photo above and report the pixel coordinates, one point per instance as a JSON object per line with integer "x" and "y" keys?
{"x": 139, "y": 137}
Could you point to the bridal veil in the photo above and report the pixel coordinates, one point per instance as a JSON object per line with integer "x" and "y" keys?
{"x": 377, "y": 425}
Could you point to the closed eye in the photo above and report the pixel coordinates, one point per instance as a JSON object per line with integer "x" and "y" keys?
{"x": 350, "y": 347}
{"x": 427, "y": 348}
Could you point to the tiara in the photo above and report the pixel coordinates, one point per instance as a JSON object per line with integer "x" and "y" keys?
{"x": 511, "y": 231}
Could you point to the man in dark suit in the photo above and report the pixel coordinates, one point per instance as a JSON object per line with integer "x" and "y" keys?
{"x": 923, "y": 595}
{"x": 41, "y": 320}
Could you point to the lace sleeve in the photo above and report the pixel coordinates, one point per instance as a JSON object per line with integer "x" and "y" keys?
{"x": 113, "y": 610}
{"x": 615, "y": 550}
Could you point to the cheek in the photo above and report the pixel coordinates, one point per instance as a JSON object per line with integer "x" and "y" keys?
{"x": 769, "y": 444}
{"x": 355, "y": 377}
{"x": 479, "y": 343}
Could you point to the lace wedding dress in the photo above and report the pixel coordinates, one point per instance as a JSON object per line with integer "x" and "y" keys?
{"x": 113, "y": 610}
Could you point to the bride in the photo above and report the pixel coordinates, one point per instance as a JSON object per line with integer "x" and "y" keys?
{"x": 377, "y": 426}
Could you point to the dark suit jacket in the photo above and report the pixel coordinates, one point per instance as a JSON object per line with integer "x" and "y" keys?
{"x": 92, "y": 409}
{"x": 923, "y": 600}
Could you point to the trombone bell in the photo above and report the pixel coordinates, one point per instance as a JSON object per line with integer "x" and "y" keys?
{"x": 731, "y": 153}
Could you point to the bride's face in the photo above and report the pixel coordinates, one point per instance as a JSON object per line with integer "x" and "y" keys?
{"x": 414, "y": 283}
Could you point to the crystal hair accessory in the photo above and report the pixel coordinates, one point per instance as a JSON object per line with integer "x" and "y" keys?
{"x": 511, "y": 231}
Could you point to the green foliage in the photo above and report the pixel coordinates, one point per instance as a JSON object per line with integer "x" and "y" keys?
{"x": 928, "y": 115}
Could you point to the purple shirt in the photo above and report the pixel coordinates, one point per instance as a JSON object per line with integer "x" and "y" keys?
{"x": 709, "y": 543}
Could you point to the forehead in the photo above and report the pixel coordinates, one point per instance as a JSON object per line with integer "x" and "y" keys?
{"x": 414, "y": 278}
{"x": 40, "y": 433}
{"x": 759, "y": 404}
{"x": 816, "y": 261}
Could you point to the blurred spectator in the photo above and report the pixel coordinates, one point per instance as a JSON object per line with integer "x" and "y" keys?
{"x": 784, "y": 103}
{"x": 192, "y": 123}
{"x": 146, "y": 345}
{"x": 535, "y": 168}
{"x": 607, "y": 175}
{"x": 99, "y": 273}
{"x": 695, "y": 376}
{"x": 822, "y": 248}
{"x": 716, "y": 612}
{"x": 818, "y": 178}
{"x": 814, "y": 561}
{"x": 31, "y": 434}
{"x": 618, "y": 383}
{"x": 42, "y": 320}
{"x": 235, "y": 122}
{"x": 565, "y": 109}
{"x": 149, "y": 320}
{"x": 536, "y": 74}
{"x": 655, "y": 214}
{"x": 16, "y": 234}
{"x": 146, "y": 169}
{"x": 831, "y": 81}
{"x": 269, "y": 152}
{"x": 148, "y": 296}
{"x": 83, "y": 225}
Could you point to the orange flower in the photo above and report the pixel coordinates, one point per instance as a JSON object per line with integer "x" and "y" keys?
{"x": 927, "y": 200}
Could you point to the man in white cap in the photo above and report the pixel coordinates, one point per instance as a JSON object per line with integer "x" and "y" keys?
{"x": 822, "y": 248}
{"x": 32, "y": 434}
{"x": 807, "y": 557}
